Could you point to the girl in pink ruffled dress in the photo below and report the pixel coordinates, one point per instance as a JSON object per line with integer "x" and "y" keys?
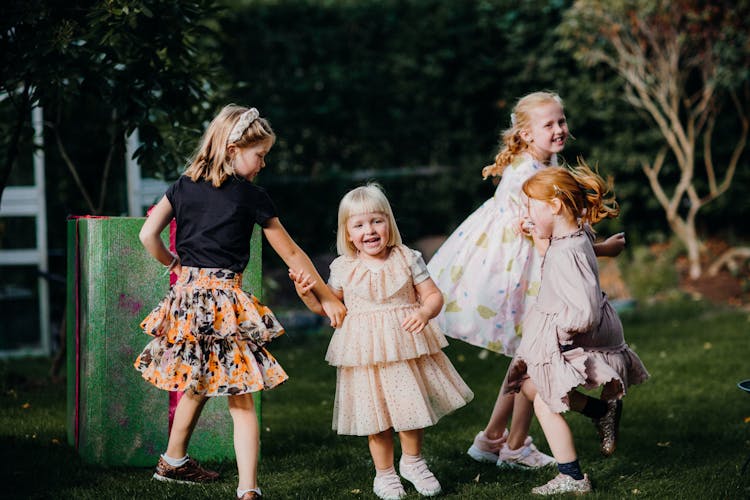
{"x": 573, "y": 334}
{"x": 392, "y": 375}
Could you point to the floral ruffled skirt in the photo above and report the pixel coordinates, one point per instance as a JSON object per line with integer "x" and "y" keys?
{"x": 209, "y": 336}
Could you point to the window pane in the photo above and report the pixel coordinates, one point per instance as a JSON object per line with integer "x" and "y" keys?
{"x": 17, "y": 233}
{"x": 19, "y": 301}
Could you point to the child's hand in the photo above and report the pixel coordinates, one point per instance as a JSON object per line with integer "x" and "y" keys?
{"x": 415, "y": 322}
{"x": 303, "y": 282}
{"x": 525, "y": 226}
{"x": 614, "y": 245}
{"x": 335, "y": 310}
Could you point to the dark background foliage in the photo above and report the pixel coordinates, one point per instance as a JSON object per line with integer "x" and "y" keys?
{"x": 410, "y": 93}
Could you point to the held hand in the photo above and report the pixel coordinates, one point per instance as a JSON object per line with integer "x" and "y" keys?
{"x": 415, "y": 322}
{"x": 336, "y": 312}
{"x": 177, "y": 269}
{"x": 303, "y": 282}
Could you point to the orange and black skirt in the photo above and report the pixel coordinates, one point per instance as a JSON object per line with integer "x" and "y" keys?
{"x": 209, "y": 336}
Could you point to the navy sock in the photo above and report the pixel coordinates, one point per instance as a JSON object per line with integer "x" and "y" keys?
{"x": 595, "y": 408}
{"x": 572, "y": 469}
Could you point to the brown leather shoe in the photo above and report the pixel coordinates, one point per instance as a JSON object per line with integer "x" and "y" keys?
{"x": 189, "y": 472}
{"x": 250, "y": 495}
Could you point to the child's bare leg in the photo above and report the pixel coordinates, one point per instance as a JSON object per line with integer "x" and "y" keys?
{"x": 381, "y": 449}
{"x": 246, "y": 439}
{"x": 523, "y": 411}
{"x": 185, "y": 417}
{"x": 556, "y": 430}
{"x": 411, "y": 441}
{"x": 501, "y": 412}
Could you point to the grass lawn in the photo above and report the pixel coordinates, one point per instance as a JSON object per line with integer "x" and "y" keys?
{"x": 683, "y": 433}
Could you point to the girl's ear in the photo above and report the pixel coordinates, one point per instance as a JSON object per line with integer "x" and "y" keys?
{"x": 557, "y": 206}
{"x": 231, "y": 150}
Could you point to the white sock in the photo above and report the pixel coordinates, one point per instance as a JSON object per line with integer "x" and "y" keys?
{"x": 242, "y": 492}
{"x": 174, "y": 462}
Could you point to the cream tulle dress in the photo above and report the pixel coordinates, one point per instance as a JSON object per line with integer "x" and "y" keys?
{"x": 386, "y": 376}
{"x": 573, "y": 334}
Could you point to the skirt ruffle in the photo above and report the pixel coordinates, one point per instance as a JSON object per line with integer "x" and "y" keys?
{"x": 404, "y": 395}
{"x": 612, "y": 370}
{"x": 209, "y": 336}
{"x": 377, "y": 337}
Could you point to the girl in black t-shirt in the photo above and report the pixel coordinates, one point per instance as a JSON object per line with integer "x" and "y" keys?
{"x": 209, "y": 334}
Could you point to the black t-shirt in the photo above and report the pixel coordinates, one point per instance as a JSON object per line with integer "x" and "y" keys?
{"x": 214, "y": 225}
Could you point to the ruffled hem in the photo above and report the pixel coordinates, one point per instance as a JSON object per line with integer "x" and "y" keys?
{"x": 406, "y": 395}
{"x": 378, "y": 337}
{"x": 220, "y": 367}
{"x": 614, "y": 371}
{"x": 208, "y": 337}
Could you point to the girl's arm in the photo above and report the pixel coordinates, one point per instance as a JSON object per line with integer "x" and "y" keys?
{"x": 297, "y": 259}
{"x": 611, "y": 247}
{"x": 150, "y": 235}
{"x": 431, "y": 303}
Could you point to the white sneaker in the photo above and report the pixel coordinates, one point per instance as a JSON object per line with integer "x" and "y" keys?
{"x": 484, "y": 449}
{"x": 420, "y": 476}
{"x": 388, "y": 487}
{"x": 526, "y": 457}
{"x": 562, "y": 483}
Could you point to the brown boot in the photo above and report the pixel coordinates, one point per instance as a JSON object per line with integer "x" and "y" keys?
{"x": 189, "y": 472}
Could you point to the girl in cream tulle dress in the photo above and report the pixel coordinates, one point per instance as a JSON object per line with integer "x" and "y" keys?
{"x": 392, "y": 374}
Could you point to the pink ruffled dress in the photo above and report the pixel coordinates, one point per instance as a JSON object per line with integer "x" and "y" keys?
{"x": 573, "y": 334}
{"x": 387, "y": 377}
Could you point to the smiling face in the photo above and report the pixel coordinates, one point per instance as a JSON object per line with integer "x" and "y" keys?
{"x": 547, "y": 131}
{"x": 369, "y": 233}
{"x": 248, "y": 161}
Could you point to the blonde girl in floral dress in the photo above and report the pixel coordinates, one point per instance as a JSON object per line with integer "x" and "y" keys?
{"x": 392, "y": 375}
{"x": 489, "y": 272}
{"x": 210, "y": 335}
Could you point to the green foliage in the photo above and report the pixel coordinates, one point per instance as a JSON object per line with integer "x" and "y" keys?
{"x": 682, "y": 432}
{"x": 373, "y": 85}
{"x": 649, "y": 270}
{"x": 102, "y": 68}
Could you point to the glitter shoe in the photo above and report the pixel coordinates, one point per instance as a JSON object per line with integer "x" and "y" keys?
{"x": 420, "y": 476}
{"x": 525, "y": 457}
{"x": 563, "y": 483}
{"x": 608, "y": 427}
{"x": 388, "y": 487}
{"x": 484, "y": 449}
{"x": 189, "y": 472}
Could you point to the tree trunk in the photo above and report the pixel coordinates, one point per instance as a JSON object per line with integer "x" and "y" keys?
{"x": 686, "y": 233}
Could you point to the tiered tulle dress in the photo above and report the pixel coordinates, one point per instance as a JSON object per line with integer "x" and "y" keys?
{"x": 573, "y": 334}
{"x": 487, "y": 271}
{"x": 209, "y": 336}
{"x": 386, "y": 376}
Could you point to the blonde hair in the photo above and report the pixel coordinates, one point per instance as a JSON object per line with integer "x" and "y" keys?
{"x": 511, "y": 143}
{"x": 211, "y": 161}
{"x": 364, "y": 200}
{"x": 582, "y": 191}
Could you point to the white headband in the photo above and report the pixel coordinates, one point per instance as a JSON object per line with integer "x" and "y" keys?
{"x": 243, "y": 122}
